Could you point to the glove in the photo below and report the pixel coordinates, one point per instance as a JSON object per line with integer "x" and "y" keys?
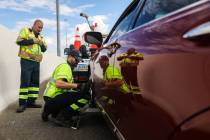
{"x": 43, "y": 48}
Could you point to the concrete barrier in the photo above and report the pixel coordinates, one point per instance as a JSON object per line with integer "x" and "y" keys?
{"x": 10, "y": 67}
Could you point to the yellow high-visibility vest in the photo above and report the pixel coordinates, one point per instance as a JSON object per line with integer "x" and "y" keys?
{"x": 30, "y": 52}
{"x": 63, "y": 71}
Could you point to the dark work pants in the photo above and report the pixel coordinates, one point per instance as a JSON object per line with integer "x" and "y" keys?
{"x": 60, "y": 102}
{"x": 29, "y": 86}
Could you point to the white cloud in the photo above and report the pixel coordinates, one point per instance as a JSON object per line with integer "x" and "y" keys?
{"x": 52, "y": 24}
{"x": 29, "y": 5}
{"x": 39, "y": 3}
{"x": 71, "y": 11}
{"x": 67, "y": 11}
{"x": 101, "y": 20}
{"x": 14, "y": 5}
{"x": 25, "y": 5}
{"x": 102, "y": 26}
{"x": 83, "y": 7}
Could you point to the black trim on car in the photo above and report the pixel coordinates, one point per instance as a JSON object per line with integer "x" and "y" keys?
{"x": 134, "y": 2}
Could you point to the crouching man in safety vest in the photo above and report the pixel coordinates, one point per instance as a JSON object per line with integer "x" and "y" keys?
{"x": 61, "y": 93}
{"x": 32, "y": 45}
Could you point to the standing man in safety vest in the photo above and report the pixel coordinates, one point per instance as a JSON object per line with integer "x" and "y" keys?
{"x": 32, "y": 45}
{"x": 61, "y": 92}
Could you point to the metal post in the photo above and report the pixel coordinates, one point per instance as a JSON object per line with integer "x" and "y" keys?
{"x": 58, "y": 28}
{"x": 89, "y": 24}
{"x": 66, "y": 39}
{"x": 66, "y": 33}
{"x": 86, "y": 17}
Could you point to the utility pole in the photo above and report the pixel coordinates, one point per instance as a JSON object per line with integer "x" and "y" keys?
{"x": 58, "y": 28}
{"x": 66, "y": 32}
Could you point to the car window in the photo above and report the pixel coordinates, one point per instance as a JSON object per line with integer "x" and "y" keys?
{"x": 154, "y": 9}
{"x": 124, "y": 24}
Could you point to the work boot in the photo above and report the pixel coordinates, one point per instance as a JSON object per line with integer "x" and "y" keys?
{"x": 21, "y": 108}
{"x": 45, "y": 116}
{"x": 33, "y": 105}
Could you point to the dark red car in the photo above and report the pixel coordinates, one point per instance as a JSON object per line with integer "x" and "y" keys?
{"x": 162, "y": 49}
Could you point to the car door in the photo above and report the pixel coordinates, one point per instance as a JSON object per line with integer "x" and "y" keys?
{"x": 110, "y": 99}
{"x": 174, "y": 38}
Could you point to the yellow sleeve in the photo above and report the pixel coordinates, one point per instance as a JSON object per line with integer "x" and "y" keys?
{"x": 24, "y": 33}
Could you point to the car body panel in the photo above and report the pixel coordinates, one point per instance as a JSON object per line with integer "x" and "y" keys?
{"x": 174, "y": 79}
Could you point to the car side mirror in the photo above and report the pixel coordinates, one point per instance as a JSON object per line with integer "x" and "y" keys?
{"x": 94, "y": 38}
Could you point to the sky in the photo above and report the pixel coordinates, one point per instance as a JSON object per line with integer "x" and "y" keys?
{"x": 16, "y": 14}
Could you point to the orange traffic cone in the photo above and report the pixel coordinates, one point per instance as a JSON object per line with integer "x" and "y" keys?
{"x": 77, "y": 41}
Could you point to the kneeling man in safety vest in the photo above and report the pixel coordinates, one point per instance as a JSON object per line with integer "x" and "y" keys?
{"x": 61, "y": 93}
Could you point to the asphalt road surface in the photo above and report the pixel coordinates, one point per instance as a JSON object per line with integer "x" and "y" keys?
{"x": 29, "y": 126}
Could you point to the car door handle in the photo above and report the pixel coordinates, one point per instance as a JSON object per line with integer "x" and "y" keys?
{"x": 203, "y": 29}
